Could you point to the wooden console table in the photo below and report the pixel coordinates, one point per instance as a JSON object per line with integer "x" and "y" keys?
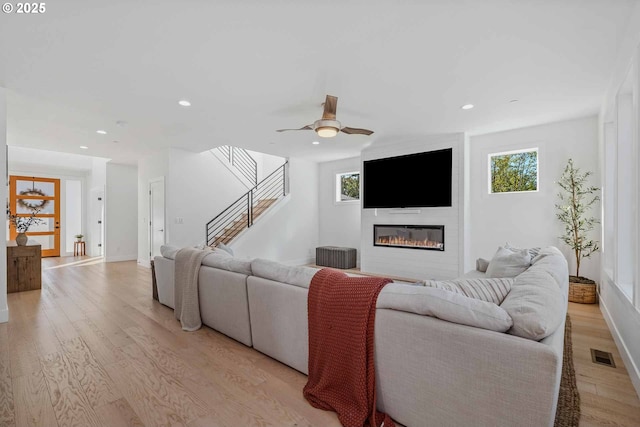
{"x": 24, "y": 267}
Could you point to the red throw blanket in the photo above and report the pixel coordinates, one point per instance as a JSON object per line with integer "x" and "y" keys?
{"x": 342, "y": 379}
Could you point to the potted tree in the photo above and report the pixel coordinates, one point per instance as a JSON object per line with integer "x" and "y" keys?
{"x": 22, "y": 223}
{"x": 576, "y": 200}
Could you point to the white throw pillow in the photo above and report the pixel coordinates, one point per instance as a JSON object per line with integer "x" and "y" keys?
{"x": 444, "y": 305}
{"x": 482, "y": 264}
{"x": 532, "y": 251}
{"x": 537, "y": 302}
{"x": 225, "y": 248}
{"x": 491, "y": 290}
{"x": 508, "y": 263}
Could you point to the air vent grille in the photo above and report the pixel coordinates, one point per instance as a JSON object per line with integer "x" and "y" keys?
{"x": 602, "y": 358}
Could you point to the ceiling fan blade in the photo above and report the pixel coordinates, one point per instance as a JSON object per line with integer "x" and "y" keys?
{"x": 356, "y": 131}
{"x": 330, "y": 106}
{"x": 307, "y": 127}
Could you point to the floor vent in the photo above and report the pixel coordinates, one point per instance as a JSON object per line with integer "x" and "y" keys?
{"x": 602, "y": 358}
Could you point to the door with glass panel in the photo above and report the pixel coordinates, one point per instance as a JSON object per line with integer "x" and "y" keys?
{"x": 29, "y": 195}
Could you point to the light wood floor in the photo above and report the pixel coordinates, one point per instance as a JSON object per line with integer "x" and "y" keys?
{"x": 92, "y": 348}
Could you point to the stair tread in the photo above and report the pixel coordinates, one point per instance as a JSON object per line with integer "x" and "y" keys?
{"x": 237, "y": 226}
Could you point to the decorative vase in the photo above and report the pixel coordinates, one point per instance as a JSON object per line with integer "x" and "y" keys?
{"x": 21, "y": 239}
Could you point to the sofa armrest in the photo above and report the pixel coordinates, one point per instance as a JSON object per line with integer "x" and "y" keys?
{"x": 433, "y": 372}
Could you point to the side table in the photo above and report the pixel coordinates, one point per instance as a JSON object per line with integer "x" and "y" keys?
{"x": 79, "y": 248}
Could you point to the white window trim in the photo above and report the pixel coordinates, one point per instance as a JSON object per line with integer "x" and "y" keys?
{"x": 337, "y": 191}
{"x": 506, "y": 153}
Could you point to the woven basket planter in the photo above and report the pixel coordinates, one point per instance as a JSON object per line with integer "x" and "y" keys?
{"x": 583, "y": 293}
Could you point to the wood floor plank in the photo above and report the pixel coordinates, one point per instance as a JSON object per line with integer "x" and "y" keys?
{"x": 119, "y": 414}
{"x": 93, "y": 379}
{"x": 148, "y": 379}
{"x": 32, "y": 401}
{"x": 151, "y": 409}
{"x": 7, "y": 412}
{"x": 70, "y": 404}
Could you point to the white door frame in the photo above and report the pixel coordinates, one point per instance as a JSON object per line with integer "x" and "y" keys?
{"x": 164, "y": 224}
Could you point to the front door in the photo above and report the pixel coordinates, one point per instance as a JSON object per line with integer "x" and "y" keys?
{"x": 42, "y": 195}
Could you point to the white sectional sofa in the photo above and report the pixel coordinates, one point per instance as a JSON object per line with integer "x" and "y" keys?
{"x": 441, "y": 359}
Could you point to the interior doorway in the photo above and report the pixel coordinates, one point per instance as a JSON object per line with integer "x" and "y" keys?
{"x": 156, "y": 216}
{"x": 29, "y": 194}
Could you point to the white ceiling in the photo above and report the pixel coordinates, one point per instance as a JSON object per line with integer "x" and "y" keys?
{"x": 400, "y": 68}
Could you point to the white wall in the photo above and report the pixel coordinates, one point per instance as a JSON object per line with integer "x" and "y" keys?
{"x": 339, "y": 222}
{"x": 4, "y": 310}
{"x": 289, "y": 231}
{"x": 198, "y": 189}
{"x": 414, "y": 263}
{"x": 529, "y": 219}
{"x": 121, "y": 208}
{"x": 96, "y": 181}
{"x": 621, "y": 313}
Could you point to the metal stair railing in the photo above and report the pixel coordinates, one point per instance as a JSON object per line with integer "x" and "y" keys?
{"x": 241, "y": 214}
{"x": 242, "y": 161}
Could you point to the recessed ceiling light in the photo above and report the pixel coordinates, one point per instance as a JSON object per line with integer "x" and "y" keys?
{"x": 184, "y": 103}
{"x": 84, "y": 147}
{"x": 316, "y": 143}
{"x": 467, "y": 106}
{"x": 101, "y": 132}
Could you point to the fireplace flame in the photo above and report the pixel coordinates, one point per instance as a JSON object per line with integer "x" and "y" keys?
{"x": 403, "y": 241}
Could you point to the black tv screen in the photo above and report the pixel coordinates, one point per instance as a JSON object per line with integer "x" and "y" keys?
{"x": 411, "y": 181}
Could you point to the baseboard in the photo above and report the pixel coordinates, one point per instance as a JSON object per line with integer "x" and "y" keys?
{"x": 119, "y": 258}
{"x": 4, "y": 315}
{"x": 632, "y": 368}
{"x": 299, "y": 261}
{"x": 144, "y": 263}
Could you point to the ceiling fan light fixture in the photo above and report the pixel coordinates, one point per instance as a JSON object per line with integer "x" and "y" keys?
{"x": 327, "y": 128}
{"x": 327, "y": 131}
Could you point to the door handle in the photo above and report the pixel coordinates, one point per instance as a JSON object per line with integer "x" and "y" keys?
{"x": 162, "y": 229}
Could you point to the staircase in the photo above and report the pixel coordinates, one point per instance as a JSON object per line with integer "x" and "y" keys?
{"x": 242, "y": 213}
{"x": 241, "y": 161}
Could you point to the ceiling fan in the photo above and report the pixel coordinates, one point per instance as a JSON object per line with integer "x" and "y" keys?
{"x": 328, "y": 126}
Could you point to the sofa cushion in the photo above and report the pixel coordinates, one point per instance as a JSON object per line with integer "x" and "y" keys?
{"x": 491, "y": 289}
{"x": 508, "y": 262}
{"x": 221, "y": 259}
{"x": 169, "y": 251}
{"x": 444, "y": 305}
{"x": 298, "y": 276}
{"x": 537, "y": 302}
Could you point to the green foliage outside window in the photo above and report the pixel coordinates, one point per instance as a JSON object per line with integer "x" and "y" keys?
{"x": 350, "y": 187}
{"x": 514, "y": 172}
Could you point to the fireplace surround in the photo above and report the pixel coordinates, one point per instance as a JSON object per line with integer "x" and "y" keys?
{"x": 427, "y": 237}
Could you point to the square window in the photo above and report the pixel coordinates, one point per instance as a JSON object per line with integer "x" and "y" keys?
{"x": 348, "y": 187}
{"x": 513, "y": 171}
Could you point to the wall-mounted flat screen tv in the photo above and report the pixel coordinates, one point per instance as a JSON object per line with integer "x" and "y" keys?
{"x": 411, "y": 181}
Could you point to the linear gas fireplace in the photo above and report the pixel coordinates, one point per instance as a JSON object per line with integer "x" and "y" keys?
{"x": 429, "y": 237}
